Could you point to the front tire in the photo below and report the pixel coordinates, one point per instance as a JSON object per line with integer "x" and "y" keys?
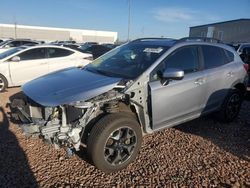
{"x": 231, "y": 106}
{"x": 114, "y": 142}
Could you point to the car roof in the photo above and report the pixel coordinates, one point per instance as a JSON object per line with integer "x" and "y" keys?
{"x": 169, "y": 42}
{"x": 45, "y": 46}
{"x": 48, "y": 46}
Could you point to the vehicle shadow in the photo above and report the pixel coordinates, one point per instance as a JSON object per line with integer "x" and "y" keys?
{"x": 247, "y": 96}
{"x": 231, "y": 137}
{"x": 14, "y": 166}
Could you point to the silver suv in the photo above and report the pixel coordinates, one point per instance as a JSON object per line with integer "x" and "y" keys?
{"x": 138, "y": 88}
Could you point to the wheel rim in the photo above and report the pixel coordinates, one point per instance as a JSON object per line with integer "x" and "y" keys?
{"x": 1, "y": 84}
{"x": 120, "y": 146}
{"x": 233, "y": 105}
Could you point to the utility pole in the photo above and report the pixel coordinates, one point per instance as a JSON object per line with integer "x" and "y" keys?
{"x": 128, "y": 19}
{"x": 15, "y": 30}
{"x": 15, "y": 27}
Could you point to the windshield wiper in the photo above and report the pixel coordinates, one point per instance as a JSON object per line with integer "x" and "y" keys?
{"x": 97, "y": 71}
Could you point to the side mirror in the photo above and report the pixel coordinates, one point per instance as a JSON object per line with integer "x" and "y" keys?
{"x": 171, "y": 74}
{"x": 15, "y": 59}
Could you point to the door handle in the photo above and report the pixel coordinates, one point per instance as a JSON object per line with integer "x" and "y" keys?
{"x": 230, "y": 74}
{"x": 43, "y": 63}
{"x": 199, "y": 81}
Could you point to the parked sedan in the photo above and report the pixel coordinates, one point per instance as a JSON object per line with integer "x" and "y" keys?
{"x": 12, "y": 43}
{"x": 22, "y": 64}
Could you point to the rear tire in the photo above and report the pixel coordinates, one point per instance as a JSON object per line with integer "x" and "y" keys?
{"x": 230, "y": 107}
{"x": 114, "y": 142}
{"x": 3, "y": 83}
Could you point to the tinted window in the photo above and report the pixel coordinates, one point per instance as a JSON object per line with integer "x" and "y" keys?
{"x": 96, "y": 50}
{"x": 37, "y": 53}
{"x": 185, "y": 59}
{"x": 29, "y": 43}
{"x": 14, "y": 44}
{"x": 229, "y": 56}
{"x": 213, "y": 56}
{"x": 58, "y": 52}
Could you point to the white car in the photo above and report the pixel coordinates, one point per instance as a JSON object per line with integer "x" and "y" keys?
{"x": 22, "y": 64}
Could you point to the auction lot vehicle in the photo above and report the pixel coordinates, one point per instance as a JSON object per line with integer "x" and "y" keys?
{"x": 22, "y": 64}
{"x": 12, "y": 43}
{"x": 138, "y": 88}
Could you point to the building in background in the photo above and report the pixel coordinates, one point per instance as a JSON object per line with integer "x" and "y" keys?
{"x": 232, "y": 31}
{"x": 53, "y": 34}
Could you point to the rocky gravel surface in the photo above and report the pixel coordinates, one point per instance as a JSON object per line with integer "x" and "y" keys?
{"x": 201, "y": 153}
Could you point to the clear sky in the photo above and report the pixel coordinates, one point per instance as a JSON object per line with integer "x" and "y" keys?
{"x": 168, "y": 18}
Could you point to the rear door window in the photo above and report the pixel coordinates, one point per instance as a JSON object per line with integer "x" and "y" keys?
{"x": 33, "y": 54}
{"x": 58, "y": 52}
{"x": 213, "y": 56}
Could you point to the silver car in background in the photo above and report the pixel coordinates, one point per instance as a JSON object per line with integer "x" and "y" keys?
{"x": 138, "y": 88}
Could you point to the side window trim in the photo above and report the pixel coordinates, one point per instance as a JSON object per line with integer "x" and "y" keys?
{"x": 46, "y": 53}
{"x": 201, "y": 59}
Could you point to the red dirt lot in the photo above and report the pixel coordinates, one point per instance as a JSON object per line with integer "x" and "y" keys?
{"x": 200, "y": 153}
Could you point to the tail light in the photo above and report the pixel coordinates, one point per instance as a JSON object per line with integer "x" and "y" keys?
{"x": 246, "y": 66}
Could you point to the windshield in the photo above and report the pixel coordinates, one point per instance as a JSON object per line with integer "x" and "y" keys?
{"x": 10, "y": 52}
{"x": 128, "y": 61}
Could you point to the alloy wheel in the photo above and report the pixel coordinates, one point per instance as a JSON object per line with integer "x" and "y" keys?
{"x": 120, "y": 146}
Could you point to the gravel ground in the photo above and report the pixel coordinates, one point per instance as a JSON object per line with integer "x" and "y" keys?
{"x": 201, "y": 153}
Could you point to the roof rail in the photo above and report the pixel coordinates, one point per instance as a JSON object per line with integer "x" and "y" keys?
{"x": 199, "y": 39}
{"x": 153, "y": 38}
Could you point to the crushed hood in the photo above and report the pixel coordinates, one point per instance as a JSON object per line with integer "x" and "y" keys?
{"x": 67, "y": 86}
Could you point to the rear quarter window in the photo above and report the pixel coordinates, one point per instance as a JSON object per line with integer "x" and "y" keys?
{"x": 229, "y": 56}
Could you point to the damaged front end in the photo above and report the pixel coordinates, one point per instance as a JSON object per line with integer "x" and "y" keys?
{"x": 63, "y": 125}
